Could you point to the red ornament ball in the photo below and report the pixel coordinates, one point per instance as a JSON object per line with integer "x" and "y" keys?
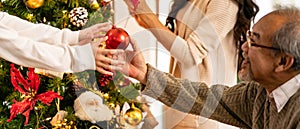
{"x": 118, "y": 38}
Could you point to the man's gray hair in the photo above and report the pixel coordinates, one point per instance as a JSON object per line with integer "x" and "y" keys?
{"x": 287, "y": 38}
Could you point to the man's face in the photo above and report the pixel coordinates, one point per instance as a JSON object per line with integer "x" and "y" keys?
{"x": 259, "y": 53}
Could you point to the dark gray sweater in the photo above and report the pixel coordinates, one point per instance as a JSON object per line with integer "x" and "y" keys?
{"x": 245, "y": 105}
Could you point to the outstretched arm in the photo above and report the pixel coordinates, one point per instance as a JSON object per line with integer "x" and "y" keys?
{"x": 60, "y": 58}
{"x": 213, "y": 27}
{"x": 147, "y": 19}
{"x": 232, "y": 105}
{"x": 51, "y": 35}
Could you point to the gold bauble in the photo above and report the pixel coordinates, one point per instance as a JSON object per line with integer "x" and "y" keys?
{"x": 105, "y": 96}
{"x": 95, "y": 5}
{"x": 111, "y": 105}
{"x": 29, "y": 17}
{"x": 34, "y": 3}
{"x": 133, "y": 116}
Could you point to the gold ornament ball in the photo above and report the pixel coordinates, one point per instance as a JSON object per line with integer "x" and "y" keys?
{"x": 133, "y": 116}
{"x": 95, "y": 5}
{"x": 106, "y": 96}
{"x": 111, "y": 105}
{"x": 34, "y": 3}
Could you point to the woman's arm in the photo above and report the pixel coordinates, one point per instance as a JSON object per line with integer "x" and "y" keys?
{"x": 211, "y": 29}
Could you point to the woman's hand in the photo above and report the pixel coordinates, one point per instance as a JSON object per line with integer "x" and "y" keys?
{"x": 87, "y": 35}
{"x": 142, "y": 13}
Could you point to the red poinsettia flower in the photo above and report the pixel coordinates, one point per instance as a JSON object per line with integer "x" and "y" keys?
{"x": 28, "y": 90}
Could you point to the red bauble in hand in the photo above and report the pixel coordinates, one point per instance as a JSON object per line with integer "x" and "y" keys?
{"x": 117, "y": 38}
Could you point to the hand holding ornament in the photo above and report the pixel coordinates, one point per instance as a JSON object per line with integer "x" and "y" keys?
{"x": 115, "y": 40}
{"x": 133, "y": 63}
{"x": 96, "y": 31}
{"x": 104, "y": 60}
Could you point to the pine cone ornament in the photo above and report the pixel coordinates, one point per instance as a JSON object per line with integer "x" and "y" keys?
{"x": 78, "y": 16}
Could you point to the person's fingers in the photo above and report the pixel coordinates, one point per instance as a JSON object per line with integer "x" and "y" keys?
{"x": 102, "y": 60}
{"x": 133, "y": 44}
{"x": 99, "y": 40}
{"x": 102, "y": 28}
{"x": 110, "y": 52}
{"x": 132, "y": 12}
{"x": 104, "y": 24}
{"x": 102, "y": 71}
{"x": 113, "y": 65}
{"x": 98, "y": 35}
{"x": 98, "y": 29}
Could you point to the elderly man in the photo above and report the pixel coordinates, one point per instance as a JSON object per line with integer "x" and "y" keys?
{"x": 272, "y": 54}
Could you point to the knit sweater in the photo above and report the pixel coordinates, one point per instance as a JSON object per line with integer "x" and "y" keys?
{"x": 245, "y": 105}
{"x": 206, "y": 52}
{"x": 207, "y": 29}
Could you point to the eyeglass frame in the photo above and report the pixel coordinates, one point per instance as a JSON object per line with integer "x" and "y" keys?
{"x": 251, "y": 43}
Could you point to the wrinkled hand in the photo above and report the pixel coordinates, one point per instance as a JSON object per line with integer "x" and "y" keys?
{"x": 142, "y": 13}
{"x": 96, "y": 31}
{"x": 135, "y": 65}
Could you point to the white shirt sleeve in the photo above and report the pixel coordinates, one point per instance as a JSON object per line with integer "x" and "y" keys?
{"x": 28, "y": 52}
{"x": 39, "y": 32}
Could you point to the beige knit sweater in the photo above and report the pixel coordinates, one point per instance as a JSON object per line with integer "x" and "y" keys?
{"x": 245, "y": 105}
{"x": 207, "y": 28}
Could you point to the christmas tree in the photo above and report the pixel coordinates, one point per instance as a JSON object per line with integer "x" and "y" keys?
{"x": 50, "y": 104}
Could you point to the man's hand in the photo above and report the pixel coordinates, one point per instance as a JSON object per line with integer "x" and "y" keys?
{"x": 134, "y": 63}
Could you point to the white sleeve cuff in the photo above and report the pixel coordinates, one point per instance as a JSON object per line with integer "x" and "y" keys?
{"x": 83, "y": 58}
{"x": 70, "y": 37}
{"x": 178, "y": 48}
{"x": 181, "y": 51}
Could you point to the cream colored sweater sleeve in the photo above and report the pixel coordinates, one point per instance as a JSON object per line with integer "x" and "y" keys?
{"x": 42, "y": 47}
{"x": 205, "y": 33}
{"x": 220, "y": 18}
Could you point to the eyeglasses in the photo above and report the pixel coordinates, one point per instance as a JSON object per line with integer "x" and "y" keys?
{"x": 252, "y": 43}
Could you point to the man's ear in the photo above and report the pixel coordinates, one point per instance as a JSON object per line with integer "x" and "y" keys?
{"x": 285, "y": 63}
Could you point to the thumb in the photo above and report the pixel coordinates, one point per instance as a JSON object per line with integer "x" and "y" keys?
{"x": 134, "y": 45}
